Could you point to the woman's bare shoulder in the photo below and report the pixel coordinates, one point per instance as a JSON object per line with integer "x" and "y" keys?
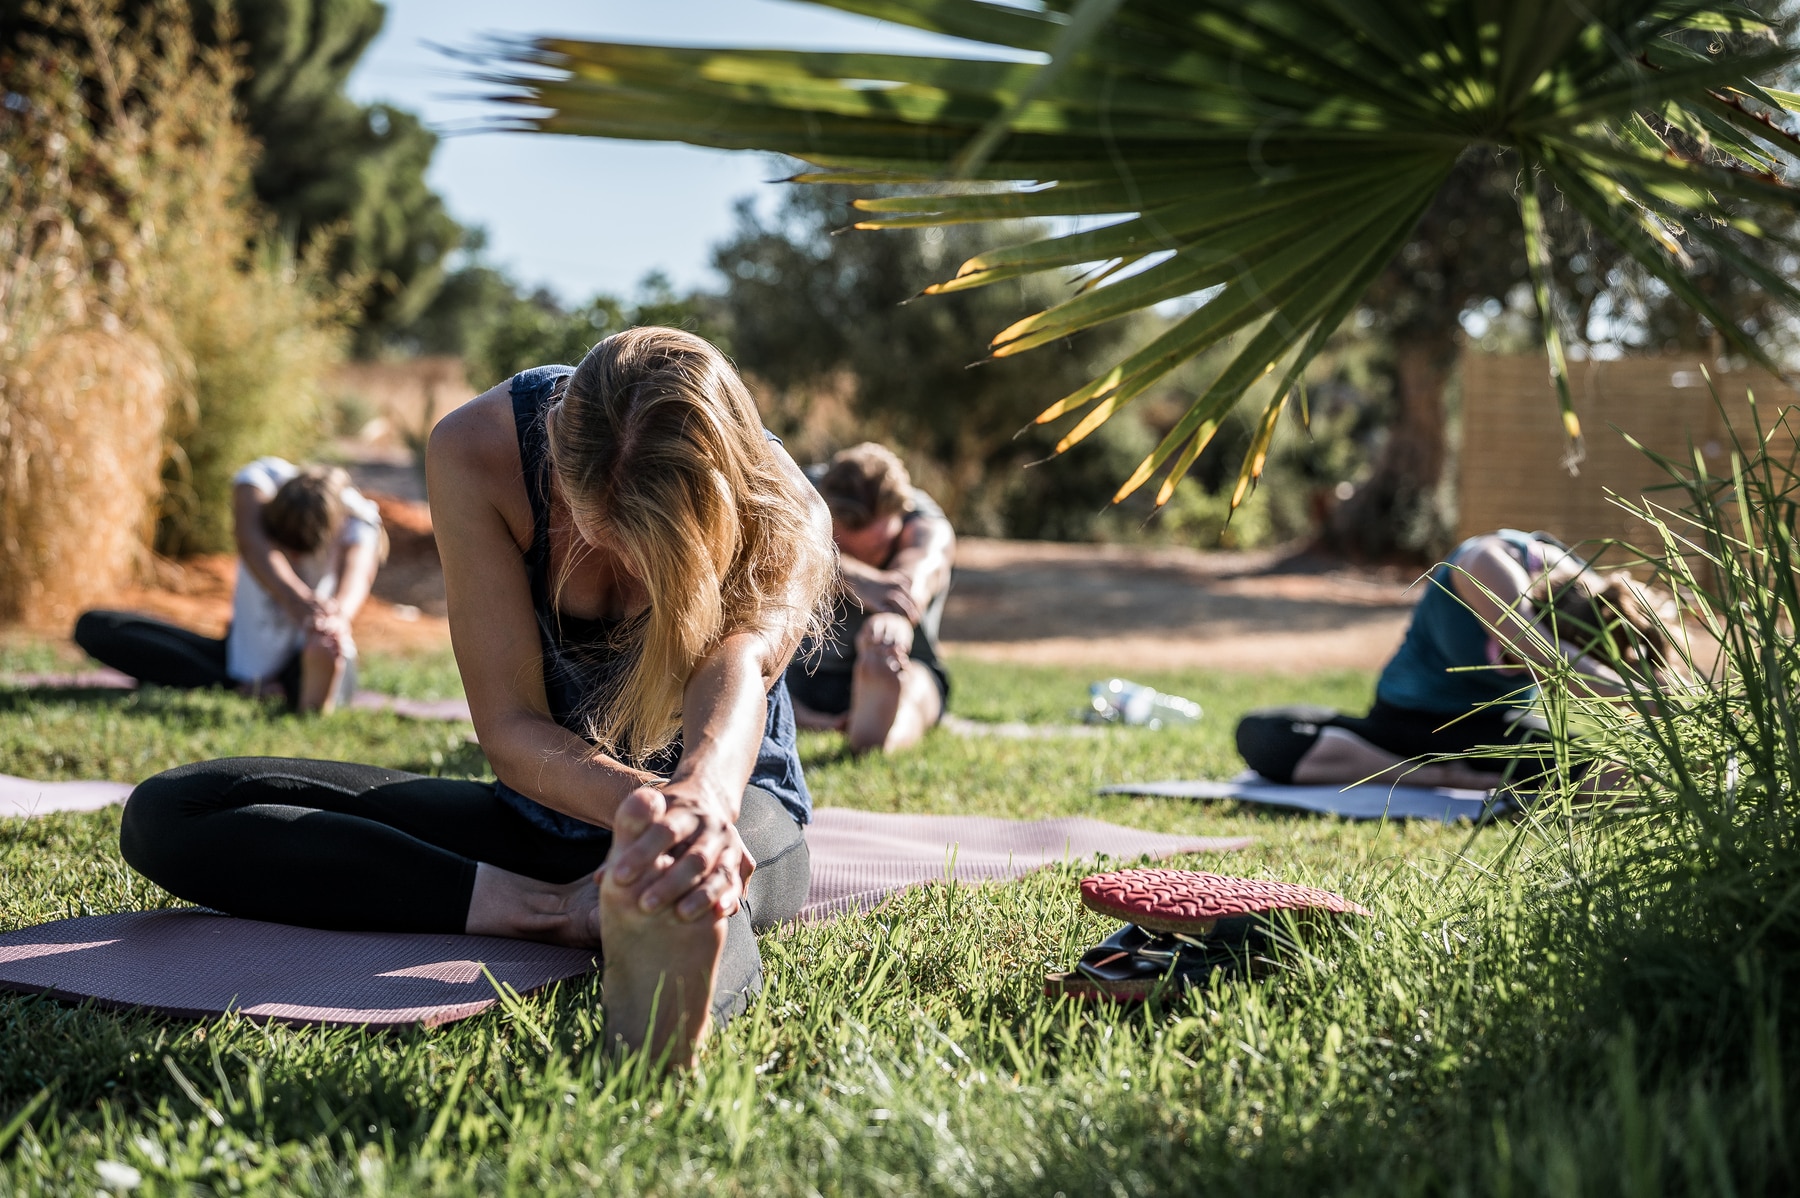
{"x": 473, "y": 454}
{"x": 480, "y": 433}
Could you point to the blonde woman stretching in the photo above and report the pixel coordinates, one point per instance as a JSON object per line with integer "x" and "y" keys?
{"x": 630, "y": 561}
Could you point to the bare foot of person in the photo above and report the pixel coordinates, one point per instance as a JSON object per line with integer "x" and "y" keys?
{"x": 509, "y": 904}
{"x": 660, "y": 967}
{"x": 658, "y": 980}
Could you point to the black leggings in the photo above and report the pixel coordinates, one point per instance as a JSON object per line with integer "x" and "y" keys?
{"x": 1274, "y": 740}
{"x": 162, "y": 654}
{"x": 327, "y": 844}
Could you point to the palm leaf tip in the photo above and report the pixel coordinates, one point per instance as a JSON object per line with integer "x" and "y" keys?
{"x": 1183, "y": 464}
{"x": 1175, "y": 118}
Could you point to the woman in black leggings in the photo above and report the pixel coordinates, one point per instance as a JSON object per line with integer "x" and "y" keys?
{"x": 630, "y": 561}
{"x": 1505, "y": 609}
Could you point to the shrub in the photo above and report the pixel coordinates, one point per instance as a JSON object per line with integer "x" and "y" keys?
{"x": 152, "y": 317}
{"x": 1707, "y": 890}
{"x": 259, "y": 340}
{"x": 256, "y": 329}
{"x": 84, "y": 384}
{"x": 1674, "y": 911}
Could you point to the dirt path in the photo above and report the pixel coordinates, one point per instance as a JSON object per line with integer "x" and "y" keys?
{"x": 1130, "y": 609}
{"x": 1109, "y": 607}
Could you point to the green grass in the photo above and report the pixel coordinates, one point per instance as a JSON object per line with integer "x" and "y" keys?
{"x": 1467, "y": 1039}
{"x": 419, "y": 676}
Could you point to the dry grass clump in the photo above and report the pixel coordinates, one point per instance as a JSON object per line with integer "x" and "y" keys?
{"x": 152, "y": 333}
{"x": 82, "y": 459}
{"x": 83, "y": 395}
{"x": 262, "y": 336}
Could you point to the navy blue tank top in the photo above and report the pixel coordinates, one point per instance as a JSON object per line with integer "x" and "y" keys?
{"x": 584, "y": 659}
{"x": 1447, "y": 663}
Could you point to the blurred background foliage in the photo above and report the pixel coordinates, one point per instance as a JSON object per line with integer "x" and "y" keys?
{"x": 305, "y": 232}
{"x": 326, "y": 169}
{"x": 157, "y": 329}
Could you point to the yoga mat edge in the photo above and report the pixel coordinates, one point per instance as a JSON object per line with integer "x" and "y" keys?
{"x": 1364, "y": 801}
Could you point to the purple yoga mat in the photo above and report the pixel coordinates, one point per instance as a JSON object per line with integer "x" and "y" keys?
{"x": 28, "y": 797}
{"x": 418, "y": 709}
{"x": 82, "y": 680}
{"x": 1359, "y": 801}
{"x": 861, "y": 857}
{"x": 197, "y": 965}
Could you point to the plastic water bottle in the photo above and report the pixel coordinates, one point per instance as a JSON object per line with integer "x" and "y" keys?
{"x": 1117, "y": 701}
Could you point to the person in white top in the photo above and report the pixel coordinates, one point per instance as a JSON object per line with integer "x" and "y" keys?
{"x": 308, "y": 548}
{"x": 309, "y": 545}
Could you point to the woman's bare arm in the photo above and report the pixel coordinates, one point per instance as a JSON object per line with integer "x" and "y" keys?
{"x": 691, "y": 852}
{"x": 471, "y": 460}
{"x": 917, "y": 571}
{"x": 926, "y": 552}
{"x": 266, "y": 563}
{"x": 1495, "y": 587}
{"x": 356, "y": 574}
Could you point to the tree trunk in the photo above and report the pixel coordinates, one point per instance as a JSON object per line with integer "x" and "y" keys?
{"x": 1396, "y": 515}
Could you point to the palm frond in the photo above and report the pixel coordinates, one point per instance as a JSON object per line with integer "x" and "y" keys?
{"x": 1270, "y": 155}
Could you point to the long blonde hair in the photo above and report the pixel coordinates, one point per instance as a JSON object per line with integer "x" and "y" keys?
{"x": 658, "y": 443}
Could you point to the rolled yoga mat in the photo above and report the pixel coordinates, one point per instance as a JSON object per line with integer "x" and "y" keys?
{"x": 195, "y": 964}
{"x": 1362, "y": 801}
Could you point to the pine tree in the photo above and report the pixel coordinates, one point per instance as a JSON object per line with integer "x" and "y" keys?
{"x": 330, "y": 167}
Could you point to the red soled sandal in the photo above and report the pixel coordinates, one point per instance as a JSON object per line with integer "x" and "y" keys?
{"x": 1183, "y": 900}
{"x": 1184, "y": 926}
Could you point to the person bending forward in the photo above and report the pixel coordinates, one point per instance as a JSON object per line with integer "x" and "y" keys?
{"x": 1505, "y": 605}
{"x": 629, "y": 561}
{"x": 309, "y": 545}
{"x": 879, "y": 677}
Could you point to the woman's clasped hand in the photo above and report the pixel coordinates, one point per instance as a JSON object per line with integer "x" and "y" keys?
{"x": 679, "y": 849}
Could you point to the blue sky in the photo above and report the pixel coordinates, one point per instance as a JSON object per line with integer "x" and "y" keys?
{"x": 581, "y": 214}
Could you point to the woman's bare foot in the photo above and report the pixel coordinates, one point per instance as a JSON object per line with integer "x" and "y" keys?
{"x": 509, "y": 904}
{"x": 659, "y": 974}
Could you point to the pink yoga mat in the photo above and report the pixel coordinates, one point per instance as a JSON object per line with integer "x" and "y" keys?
{"x": 418, "y": 709}
{"x": 28, "y": 797}
{"x": 196, "y": 965}
{"x": 458, "y": 709}
{"x": 102, "y": 679}
{"x": 193, "y": 964}
{"x": 861, "y": 857}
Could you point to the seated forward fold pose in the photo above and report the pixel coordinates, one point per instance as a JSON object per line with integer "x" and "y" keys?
{"x": 1504, "y": 604}
{"x": 630, "y": 561}
{"x": 878, "y": 676}
{"x": 308, "y": 547}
